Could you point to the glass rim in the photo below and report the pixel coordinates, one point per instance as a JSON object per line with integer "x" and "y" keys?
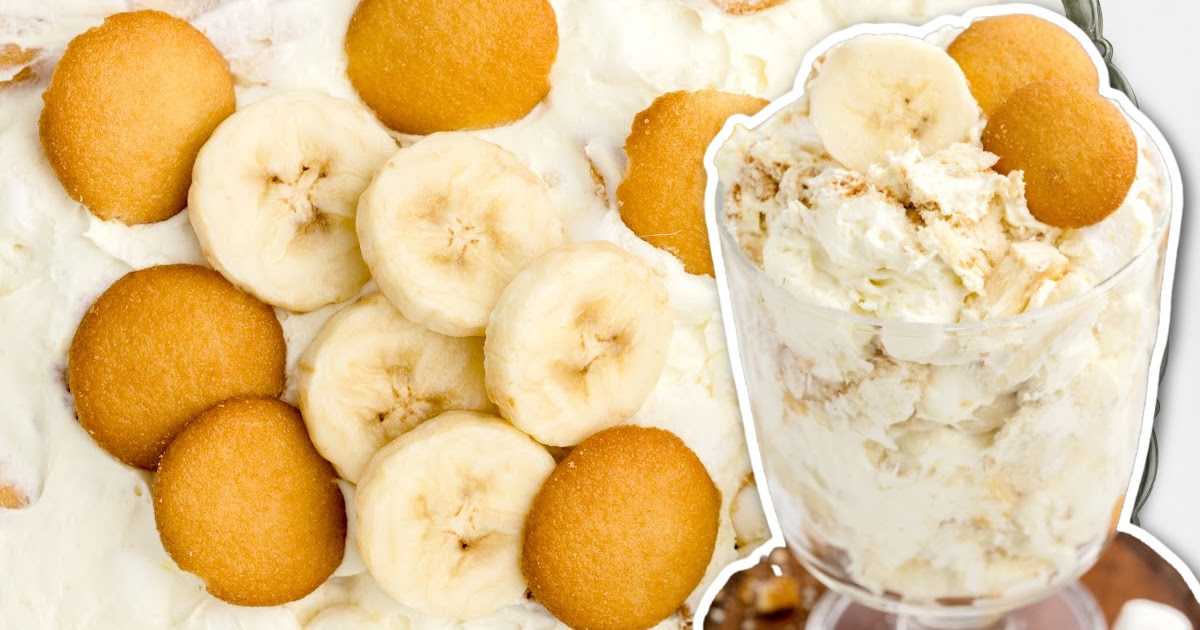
{"x": 728, "y": 241}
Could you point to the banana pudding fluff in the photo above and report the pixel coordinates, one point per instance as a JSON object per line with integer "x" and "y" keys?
{"x": 948, "y": 405}
{"x": 78, "y": 541}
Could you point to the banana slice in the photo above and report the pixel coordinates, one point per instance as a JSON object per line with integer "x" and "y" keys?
{"x": 370, "y": 375}
{"x": 577, "y": 342}
{"x": 273, "y": 197}
{"x": 441, "y": 514}
{"x": 876, "y": 94}
{"x": 447, "y": 223}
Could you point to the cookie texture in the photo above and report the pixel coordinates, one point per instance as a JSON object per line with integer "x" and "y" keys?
{"x": 1077, "y": 151}
{"x": 243, "y": 500}
{"x": 1000, "y": 55}
{"x": 128, "y": 108}
{"x": 160, "y": 346}
{"x": 622, "y": 531}
{"x": 661, "y": 197}
{"x": 444, "y": 65}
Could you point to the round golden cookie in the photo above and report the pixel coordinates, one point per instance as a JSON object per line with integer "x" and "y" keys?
{"x": 1078, "y": 153}
{"x": 622, "y": 531}
{"x": 1000, "y": 55}
{"x": 163, "y": 344}
{"x": 661, "y": 197}
{"x": 445, "y": 65}
{"x": 128, "y": 107}
{"x": 244, "y": 501}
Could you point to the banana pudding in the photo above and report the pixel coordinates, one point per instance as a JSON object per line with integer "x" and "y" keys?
{"x": 948, "y": 376}
{"x": 275, "y": 198}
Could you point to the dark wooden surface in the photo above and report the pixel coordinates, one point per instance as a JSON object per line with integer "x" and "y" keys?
{"x": 759, "y": 599}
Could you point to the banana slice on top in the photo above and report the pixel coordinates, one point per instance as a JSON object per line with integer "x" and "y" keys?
{"x": 876, "y": 94}
{"x": 371, "y": 375}
{"x": 441, "y": 514}
{"x": 447, "y": 223}
{"x": 274, "y": 193}
{"x": 577, "y": 342}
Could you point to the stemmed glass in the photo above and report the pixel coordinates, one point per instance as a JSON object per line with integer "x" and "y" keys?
{"x": 950, "y": 475}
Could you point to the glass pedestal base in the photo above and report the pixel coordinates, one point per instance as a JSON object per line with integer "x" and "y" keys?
{"x": 1072, "y": 608}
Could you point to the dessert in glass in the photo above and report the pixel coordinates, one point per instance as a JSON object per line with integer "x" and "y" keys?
{"x": 945, "y": 313}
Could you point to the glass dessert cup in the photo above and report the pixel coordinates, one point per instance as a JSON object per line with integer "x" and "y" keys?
{"x": 949, "y": 475}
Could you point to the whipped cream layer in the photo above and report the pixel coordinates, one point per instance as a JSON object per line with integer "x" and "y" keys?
{"x": 85, "y": 552}
{"x": 919, "y": 462}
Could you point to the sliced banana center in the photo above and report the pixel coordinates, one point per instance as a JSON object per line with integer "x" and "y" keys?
{"x": 371, "y": 376}
{"x": 462, "y": 237}
{"x": 598, "y": 347}
{"x": 405, "y": 406}
{"x": 464, "y": 528}
{"x": 274, "y": 194}
{"x": 470, "y": 215}
{"x": 469, "y": 241}
{"x": 603, "y": 345}
{"x": 877, "y": 94}
{"x": 441, "y": 510}
{"x": 906, "y": 115}
{"x": 295, "y": 192}
{"x": 577, "y": 342}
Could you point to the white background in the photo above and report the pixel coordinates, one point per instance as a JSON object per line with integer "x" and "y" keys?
{"x": 1157, "y": 47}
